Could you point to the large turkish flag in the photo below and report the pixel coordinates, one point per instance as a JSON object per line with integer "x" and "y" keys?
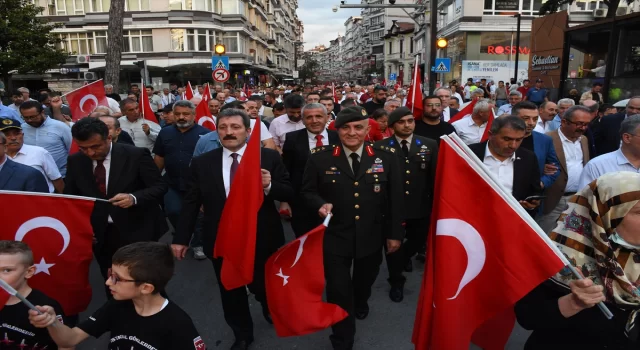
{"x": 294, "y": 279}
{"x": 59, "y": 232}
{"x": 483, "y": 257}
{"x": 85, "y": 99}
{"x": 203, "y": 114}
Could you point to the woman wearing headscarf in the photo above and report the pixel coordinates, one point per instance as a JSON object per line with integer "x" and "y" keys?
{"x": 600, "y": 235}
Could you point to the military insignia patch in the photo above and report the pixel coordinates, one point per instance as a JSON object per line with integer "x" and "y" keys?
{"x": 364, "y": 112}
{"x": 377, "y": 188}
{"x": 378, "y": 161}
{"x": 7, "y": 122}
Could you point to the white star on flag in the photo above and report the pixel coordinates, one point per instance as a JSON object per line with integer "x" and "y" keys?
{"x": 42, "y": 266}
{"x": 284, "y": 278}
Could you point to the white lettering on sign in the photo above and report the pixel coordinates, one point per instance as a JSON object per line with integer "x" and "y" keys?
{"x": 538, "y": 60}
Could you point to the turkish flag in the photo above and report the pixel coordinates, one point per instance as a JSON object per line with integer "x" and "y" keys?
{"x": 236, "y": 241}
{"x": 481, "y": 259}
{"x": 58, "y": 230}
{"x": 144, "y": 106}
{"x": 188, "y": 92}
{"x": 333, "y": 92}
{"x": 463, "y": 112}
{"x": 294, "y": 279}
{"x": 85, "y": 99}
{"x": 203, "y": 114}
{"x": 414, "y": 99}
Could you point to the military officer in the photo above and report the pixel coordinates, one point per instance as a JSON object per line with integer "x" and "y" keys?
{"x": 418, "y": 156}
{"x": 359, "y": 186}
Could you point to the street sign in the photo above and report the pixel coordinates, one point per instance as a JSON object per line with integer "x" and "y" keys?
{"x": 392, "y": 76}
{"x": 218, "y": 62}
{"x": 375, "y": 81}
{"x": 295, "y": 74}
{"x": 220, "y": 75}
{"x": 443, "y": 65}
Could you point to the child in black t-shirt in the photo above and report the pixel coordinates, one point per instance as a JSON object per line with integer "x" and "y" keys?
{"x": 16, "y": 267}
{"x": 138, "y": 317}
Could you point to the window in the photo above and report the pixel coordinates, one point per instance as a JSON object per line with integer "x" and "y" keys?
{"x": 70, "y": 7}
{"x": 510, "y": 7}
{"x": 232, "y": 7}
{"x": 137, "y": 41}
{"x": 587, "y": 5}
{"x": 198, "y": 5}
{"x": 192, "y": 40}
{"x": 177, "y": 39}
{"x": 401, "y": 46}
{"x": 390, "y": 48}
{"x": 100, "y": 38}
{"x": 410, "y": 46}
{"x": 136, "y": 5}
{"x": 77, "y": 43}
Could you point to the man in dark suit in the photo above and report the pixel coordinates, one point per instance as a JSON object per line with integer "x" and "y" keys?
{"x": 15, "y": 176}
{"x": 445, "y": 96}
{"x": 124, "y": 175}
{"x": 520, "y": 174}
{"x": 362, "y": 188}
{"x": 607, "y": 135}
{"x": 295, "y": 152}
{"x": 418, "y": 156}
{"x": 208, "y": 187}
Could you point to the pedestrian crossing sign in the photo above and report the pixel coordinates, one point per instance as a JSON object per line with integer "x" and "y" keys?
{"x": 442, "y": 65}
{"x": 220, "y": 62}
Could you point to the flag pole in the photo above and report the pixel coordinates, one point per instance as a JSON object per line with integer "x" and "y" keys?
{"x": 25, "y": 193}
{"x": 413, "y": 83}
{"x": 458, "y": 145}
{"x": 81, "y": 87}
{"x": 142, "y": 93}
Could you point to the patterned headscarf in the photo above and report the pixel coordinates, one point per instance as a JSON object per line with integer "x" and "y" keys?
{"x": 583, "y": 233}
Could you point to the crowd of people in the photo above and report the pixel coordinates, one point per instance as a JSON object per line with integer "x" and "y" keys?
{"x": 356, "y": 153}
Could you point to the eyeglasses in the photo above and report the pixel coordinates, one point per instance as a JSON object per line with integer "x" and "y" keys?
{"x": 578, "y": 124}
{"x": 115, "y": 278}
{"x": 34, "y": 117}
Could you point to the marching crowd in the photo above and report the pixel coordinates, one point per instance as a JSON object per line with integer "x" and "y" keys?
{"x": 358, "y": 154}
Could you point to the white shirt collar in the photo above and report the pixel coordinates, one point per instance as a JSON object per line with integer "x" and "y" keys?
{"x": 488, "y": 154}
{"x": 472, "y": 122}
{"x": 312, "y": 136}
{"x": 565, "y": 139}
{"x": 409, "y": 139}
{"x": 226, "y": 153}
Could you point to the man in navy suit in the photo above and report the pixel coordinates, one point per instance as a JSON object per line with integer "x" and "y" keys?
{"x": 607, "y": 135}
{"x": 18, "y": 177}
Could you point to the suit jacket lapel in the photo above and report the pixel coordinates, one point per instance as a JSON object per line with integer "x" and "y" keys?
{"x": 557, "y": 143}
{"x": 584, "y": 143}
{"x": 366, "y": 161}
{"x": 343, "y": 164}
{"x": 118, "y": 161}
{"x": 518, "y": 174}
{"x": 216, "y": 168}
{"x": 7, "y": 171}
{"x": 303, "y": 141}
{"x": 333, "y": 137}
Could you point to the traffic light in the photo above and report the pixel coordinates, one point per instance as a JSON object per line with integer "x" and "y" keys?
{"x": 442, "y": 43}
{"x": 220, "y": 49}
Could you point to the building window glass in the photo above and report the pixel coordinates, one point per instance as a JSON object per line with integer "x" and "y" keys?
{"x": 100, "y": 39}
{"x": 177, "y": 39}
{"x": 231, "y": 42}
{"x": 77, "y": 43}
{"x": 511, "y": 7}
{"x": 137, "y": 5}
{"x": 137, "y": 41}
{"x": 192, "y": 40}
{"x": 587, "y": 5}
{"x": 232, "y": 7}
{"x": 198, "y": 5}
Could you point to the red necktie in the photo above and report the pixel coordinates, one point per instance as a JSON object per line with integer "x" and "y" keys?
{"x": 319, "y": 141}
{"x": 234, "y": 166}
{"x": 100, "y": 174}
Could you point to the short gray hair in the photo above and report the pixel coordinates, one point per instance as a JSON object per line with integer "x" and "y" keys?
{"x": 566, "y": 101}
{"x": 23, "y": 89}
{"x": 393, "y": 100}
{"x": 184, "y": 103}
{"x": 478, "y": 91}
{"x": 108, "y": 86}
{"x": 481, "y": 106}
{"x": 234, "y": 112}
{"x": 571, "y": 111}
{"x": 515, "y": 93}
{"x": 442, "y": 88}
{"x": 314, "y": 106}
{"x": 630, "y": 124}
{"x": 3, "y": 139}
{"x": 401, "y": 92}
{"x": 510, "y": 121}
{"x": 116, "y": 122}
{"x": 107, "y": 110}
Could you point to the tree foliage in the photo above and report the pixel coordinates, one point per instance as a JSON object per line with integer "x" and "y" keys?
{"x": 26, "y": 42}
{"x": 552, "y": 6}
{"x": 114, "y": 48}
{"x": 309, "y": 69}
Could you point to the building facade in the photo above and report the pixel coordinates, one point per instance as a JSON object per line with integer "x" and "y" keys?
{"x": 399, "y": 54}
{"x": 330, "y": 61}
{"x": 176, "y": 38}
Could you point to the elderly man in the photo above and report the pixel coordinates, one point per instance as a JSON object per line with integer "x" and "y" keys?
{"x": 46, "y": 132}
{"x": 547, "y": 112}
{"x": 33, "y": 156}
{"x": 108, "y": 91}
{"x": 143, "y": 131}
{"x": 391, "y": 105}
{"x": 572, "y": 149}
{"x": 445, "y": 96}
{"x": 514, "y": 98}
{"x": 173, "y": 151}
{"x": 167, "y": 97}
{"x": 18, "y": 177}
{"x": 472, "y": 127}
{"x": 625, "y": 158}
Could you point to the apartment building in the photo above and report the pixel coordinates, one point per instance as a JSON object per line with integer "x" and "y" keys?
{"x": 331, "y": 61}
{"x": 176, "y": 38}
{"x": 399, "y": 54}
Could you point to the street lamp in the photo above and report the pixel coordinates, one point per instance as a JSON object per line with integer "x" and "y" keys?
{"x": 220, "y": 49}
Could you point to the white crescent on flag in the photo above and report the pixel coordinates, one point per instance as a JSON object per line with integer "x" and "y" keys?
{"x": 85, "y": 99}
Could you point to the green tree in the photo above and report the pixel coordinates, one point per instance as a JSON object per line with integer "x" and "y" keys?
{"x": 309, "y": 69}
{"x": 552, "y": 6}
{"x": 26, "y": 42}
{"x": 114, "y": 48}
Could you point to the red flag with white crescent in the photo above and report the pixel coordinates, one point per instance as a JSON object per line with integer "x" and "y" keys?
{"x": 58, "y": 230}
{"x": 188, "y": 91}
{"x": 203, "y": 114}
{"x": 144, "y": 106}
{"x": 84, "y": 100}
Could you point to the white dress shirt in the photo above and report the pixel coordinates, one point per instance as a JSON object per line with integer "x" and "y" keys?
{"x": 39, "y": 158}
{"x": 113, "y": 105}
{"x": 409, "y": 139}
{"x": 140, "y": 139}
{"x": 446, "y": 113}
{"x": 347, "y": 152}
{"x": 227, "y": 160}
{"x": 312, "y": 138}
{"x": 573, "y": 155}
{"x": 281, "y": 126}
{"x": 606, "y": 163}
{"x": 468, "y": 130}
{"x": 543, "y": 127}
{"x": 503, "y": 170}
{"x": 505, "y": 109}
{"x": 107, "y": 167}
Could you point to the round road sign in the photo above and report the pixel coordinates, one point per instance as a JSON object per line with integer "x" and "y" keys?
{"x": 220, "y": 75}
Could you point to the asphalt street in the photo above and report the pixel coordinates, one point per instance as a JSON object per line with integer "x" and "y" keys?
{"x": 194, "y": 288}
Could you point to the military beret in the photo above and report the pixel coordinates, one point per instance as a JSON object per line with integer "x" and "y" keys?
{"x": 350, "y": 114}
{"x": 398, "y": 114}
{"x": 7, "y": 123}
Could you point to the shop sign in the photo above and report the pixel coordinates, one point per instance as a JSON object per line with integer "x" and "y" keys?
{"x": 545, "y": 63}
{"x": 507, "y": 5}
{"x": 507, "y": 50}
{"x": 494, "y": 70}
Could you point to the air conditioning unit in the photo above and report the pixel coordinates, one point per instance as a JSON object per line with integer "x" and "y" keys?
{"x": 90, "y": 76}
{"x": 600, "y": 13}
{"x": 82, "y": 59}
{"x": 622, "y": 10}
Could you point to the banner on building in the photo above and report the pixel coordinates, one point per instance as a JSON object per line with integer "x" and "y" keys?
{"x": 494, "y": 70}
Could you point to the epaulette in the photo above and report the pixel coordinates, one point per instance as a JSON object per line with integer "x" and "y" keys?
{"x": 386, "y": 148}
{"x": 323, "y": 149}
